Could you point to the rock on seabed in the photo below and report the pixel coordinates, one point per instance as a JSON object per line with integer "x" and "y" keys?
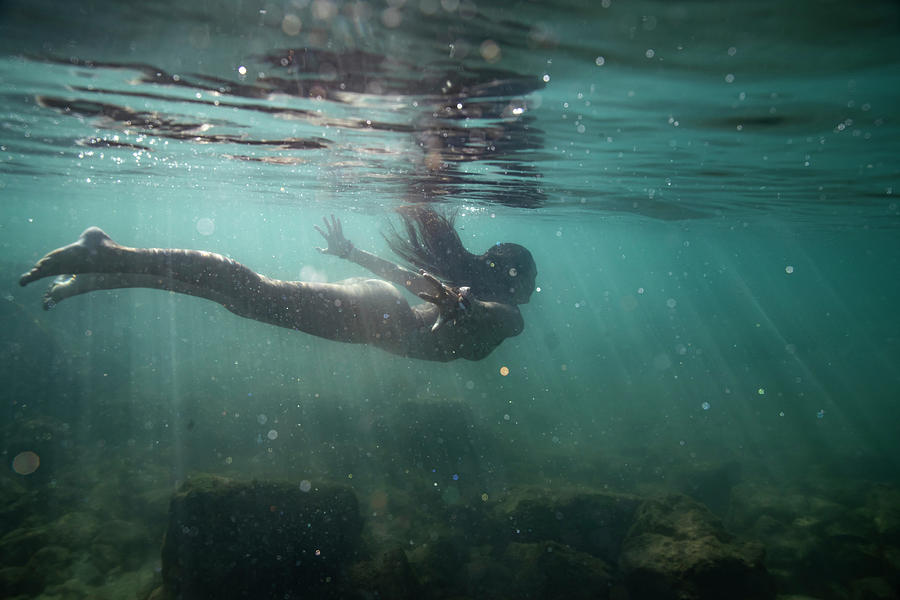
{"x": 261, "y": 540}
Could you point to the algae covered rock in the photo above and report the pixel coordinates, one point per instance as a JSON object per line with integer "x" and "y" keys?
{"x": 544, "y": 570}
{"x": 388, "y": 576}
{"x": 553, "y": 571}
{"x": 849, "y": 531}
{"x": 677, "y": 549}
{"x": 592, "y": 522}
{"x": 229, "y": 539}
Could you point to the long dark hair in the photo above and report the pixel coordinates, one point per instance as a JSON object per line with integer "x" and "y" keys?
{"x": 504, "y": 273}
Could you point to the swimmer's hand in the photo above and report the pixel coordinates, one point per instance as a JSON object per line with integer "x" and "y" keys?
{"x": 338, "y": 245}
{"x": 452, "y": 303}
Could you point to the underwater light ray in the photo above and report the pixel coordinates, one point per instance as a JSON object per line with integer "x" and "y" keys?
{"x": 844, "y": 400}
{"x": 815, "y": 384}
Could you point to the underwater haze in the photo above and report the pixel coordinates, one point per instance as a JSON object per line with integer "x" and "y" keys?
{"x": 709, "y": 191}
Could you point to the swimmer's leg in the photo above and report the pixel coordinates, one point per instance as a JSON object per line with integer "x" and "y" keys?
{"x": 365, "y": 311}
{"x": 66, "y": 286}
{"x": 97, "y": 262}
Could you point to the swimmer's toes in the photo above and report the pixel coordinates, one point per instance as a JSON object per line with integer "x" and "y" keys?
{"x": 26, "y": 278}
{"x": 48, "y": 301}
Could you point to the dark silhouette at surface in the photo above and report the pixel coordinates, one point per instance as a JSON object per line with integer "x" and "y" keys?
{"x": 465, "y": 316}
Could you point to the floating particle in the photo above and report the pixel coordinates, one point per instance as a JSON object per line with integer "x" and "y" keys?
{"x": 206, "y": 226}
{"x": 261, "y": 419}
{"x": 26, "y": 463}
{"x": 484, "y": 497}
{"x": 705, "y": 406}
{"x": 272, "y": 434}
{"x": 305, "y": 485}
{"x": 391, "y": 17}
{"x": 820, "y": 414}
{"x": 456, "y": 477}
{"x": 291, "y": 24}
{"x": 761, "y": 391}
{"x": 490, "y": 51}
{"x": 504, "y": 370}
{"x": 228, "y": 460}
{"x": 789, "y": 269}
{"x": 599, "y": 61}
{"x": 671, "y": 303}
{"x": 470, "y": 385}
{"x": 506, "y": 417}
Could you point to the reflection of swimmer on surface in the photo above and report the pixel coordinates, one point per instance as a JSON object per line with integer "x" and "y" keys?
{"x": 468, "y": 312}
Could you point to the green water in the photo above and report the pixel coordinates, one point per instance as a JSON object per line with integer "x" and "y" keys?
{"x": 709, "y": 192}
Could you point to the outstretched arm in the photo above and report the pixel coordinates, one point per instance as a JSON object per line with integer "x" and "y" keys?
{"x": 455, "y": 305}
{"x": 340, "y": 246}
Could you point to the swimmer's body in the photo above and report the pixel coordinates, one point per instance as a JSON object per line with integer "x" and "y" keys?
{"x": 465, "y": 316}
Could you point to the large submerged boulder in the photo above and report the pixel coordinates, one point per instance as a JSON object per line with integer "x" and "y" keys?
{"x": 677, "y": 549}
{"x": 849, "y": 530}
{"x": 229, "y": 539}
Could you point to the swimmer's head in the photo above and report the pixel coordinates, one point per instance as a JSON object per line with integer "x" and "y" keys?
{"x": 428, "y": 240}
{"x": 509, "y": 274}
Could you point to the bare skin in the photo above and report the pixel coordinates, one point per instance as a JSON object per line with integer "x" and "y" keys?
{"x": 452, "y": 323}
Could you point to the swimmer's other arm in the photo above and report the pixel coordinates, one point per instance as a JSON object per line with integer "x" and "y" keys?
{"x": 340, "y": 246}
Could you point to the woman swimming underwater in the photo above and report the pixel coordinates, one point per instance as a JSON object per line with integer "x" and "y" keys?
{"x": 471, "y": 300}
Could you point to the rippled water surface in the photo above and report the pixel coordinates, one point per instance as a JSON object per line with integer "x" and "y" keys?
{"x": 709, "y": 191}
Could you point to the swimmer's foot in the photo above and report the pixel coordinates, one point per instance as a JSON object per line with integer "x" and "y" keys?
{"x": 62, "y": 287}
{"x": 84, "y": 256}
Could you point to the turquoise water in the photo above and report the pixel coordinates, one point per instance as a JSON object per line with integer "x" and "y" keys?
{"x": 709, "y": 191}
